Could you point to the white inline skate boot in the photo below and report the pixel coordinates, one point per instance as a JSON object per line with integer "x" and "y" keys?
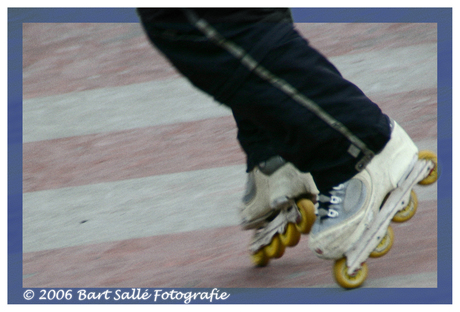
{"x": 278, "y": 205}
{"x": 353, "y": 219}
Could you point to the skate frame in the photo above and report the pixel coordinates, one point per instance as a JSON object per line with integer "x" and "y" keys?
{"x": 397, "y": 200}
{"x": 277, "y": 225}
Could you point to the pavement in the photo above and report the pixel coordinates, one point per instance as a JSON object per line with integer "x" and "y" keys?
{"x": 132, "y": 177}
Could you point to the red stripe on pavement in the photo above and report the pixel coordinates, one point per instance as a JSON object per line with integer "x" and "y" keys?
{"x": 68, "y": 57}
{"x": 130, "y": 154}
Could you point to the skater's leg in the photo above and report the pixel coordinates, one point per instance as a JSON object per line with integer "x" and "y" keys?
{"x": 272, "y": 182}
{"x": 217, "y": 72}
{"x": 354, "y": 217}
{"x": 317, "y": 120}
{"x": 255, "y": 142}
{"x": 345, "y": 209}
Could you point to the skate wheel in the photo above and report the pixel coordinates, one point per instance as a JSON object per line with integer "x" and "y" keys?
{"x": 385, "y": 244}
{"x": 344, "y": 279}
{"x": 407, "y": 212}
{"x": 275, "y": 249}
{"x": 260, "y": 259}
{"x": 308, "y": 217}
{"x": 291, "y": 236}
{"x": 433, "y": 176}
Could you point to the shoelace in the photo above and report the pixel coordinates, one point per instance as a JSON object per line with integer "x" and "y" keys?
{"x": 329, "y": 205}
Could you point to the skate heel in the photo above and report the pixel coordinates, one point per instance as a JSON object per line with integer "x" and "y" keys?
{"x": 272, "y": 186}
{"x": 377, "y": 239}
{"x": 284, "y": 230}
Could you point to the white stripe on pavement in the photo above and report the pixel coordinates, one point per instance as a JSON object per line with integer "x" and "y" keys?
{"x": 113, "y": 211}
{"x": 115, "y": 109}
{"x": 176, "y": 100}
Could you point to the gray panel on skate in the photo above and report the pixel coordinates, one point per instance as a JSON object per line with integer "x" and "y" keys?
{"x": 134, "y": 208}
{"x": 114, "y": 109}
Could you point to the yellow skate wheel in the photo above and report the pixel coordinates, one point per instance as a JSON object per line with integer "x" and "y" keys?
{"x": 291, "y": 236}
{"x": 349, "y": 281}
{"x": 385, "y": 244}
{"x": 307, "y": 212}
{"x": 433, "y": 176}
{"x": 408, "y": 211}
{"x": 260, "y": 259}
{"x": 275, "y": 249}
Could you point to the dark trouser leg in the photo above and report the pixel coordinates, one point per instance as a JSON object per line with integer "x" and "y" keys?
{"x": 299, "y": 132}
{"x": 255, "y": 142}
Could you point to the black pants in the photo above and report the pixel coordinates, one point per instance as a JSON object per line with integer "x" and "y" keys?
{"x": 287, "y": 99}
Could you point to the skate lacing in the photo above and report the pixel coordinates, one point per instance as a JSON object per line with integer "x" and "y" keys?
{"x": 330, "y": 205}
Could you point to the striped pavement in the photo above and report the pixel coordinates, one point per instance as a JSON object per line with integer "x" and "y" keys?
{"x": 132, "y": 178}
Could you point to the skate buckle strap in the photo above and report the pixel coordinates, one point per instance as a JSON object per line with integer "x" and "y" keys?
{"x": 360, "y": 165}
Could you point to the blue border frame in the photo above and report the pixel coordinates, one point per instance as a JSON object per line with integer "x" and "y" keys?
{"x": 441, "y": 16}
